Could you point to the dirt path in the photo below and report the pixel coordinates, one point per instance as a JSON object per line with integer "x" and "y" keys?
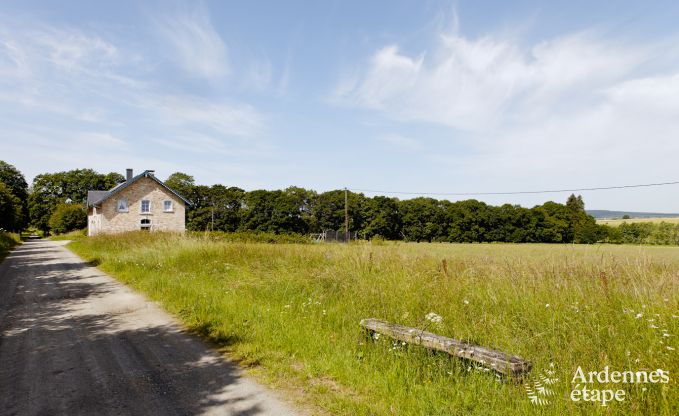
{"x": 74, "y": 341}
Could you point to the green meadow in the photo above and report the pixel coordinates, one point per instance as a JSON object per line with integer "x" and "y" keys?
{"x": 290, "y": 314}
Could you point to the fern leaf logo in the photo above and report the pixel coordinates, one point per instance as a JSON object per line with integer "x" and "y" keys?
{"x": 537, "y": 388}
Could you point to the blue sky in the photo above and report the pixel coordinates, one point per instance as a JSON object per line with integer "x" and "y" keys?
{"x": 421, "y": 96}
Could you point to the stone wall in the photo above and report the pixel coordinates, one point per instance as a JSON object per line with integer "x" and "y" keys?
{"x": 112, "y": 221}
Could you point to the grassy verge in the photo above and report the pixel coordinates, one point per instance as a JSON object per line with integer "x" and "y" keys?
{"x": 291, "y": 312}
{"x": 71, "y": 236}
{"x": 7, "y": 242}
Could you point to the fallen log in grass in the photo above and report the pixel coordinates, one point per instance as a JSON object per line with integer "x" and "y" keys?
{"x": 508, "y": 365}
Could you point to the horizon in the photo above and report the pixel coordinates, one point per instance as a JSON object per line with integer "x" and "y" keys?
{"x": 406, "y": 97}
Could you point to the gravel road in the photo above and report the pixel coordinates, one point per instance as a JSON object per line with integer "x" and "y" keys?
{"x": 73, "y": 341}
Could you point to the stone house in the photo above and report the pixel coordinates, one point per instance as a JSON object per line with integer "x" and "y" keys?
{"x": 142, "y": 202}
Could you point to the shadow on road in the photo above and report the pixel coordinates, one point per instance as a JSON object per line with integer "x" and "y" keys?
{"x": 74, "y": 342}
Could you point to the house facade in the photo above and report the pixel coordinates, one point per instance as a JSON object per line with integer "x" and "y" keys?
{"x": 142, "y": 202}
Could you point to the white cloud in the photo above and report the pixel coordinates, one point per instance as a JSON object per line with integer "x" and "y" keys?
{"x": 579, "y": 110}
{"x": 473, "y": 84}
{"x": 71, "y": 98}
{"x": 195, "y": 44}
{"x": 220, "y": 116}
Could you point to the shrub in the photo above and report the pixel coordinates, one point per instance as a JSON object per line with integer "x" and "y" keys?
{"x": 68, "y": 217}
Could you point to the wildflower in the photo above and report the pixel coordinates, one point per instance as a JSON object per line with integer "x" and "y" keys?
{"x": 466, "y": 302}
{"x": 639, "y": 315}
{"x": 644, "y": 389}
{"x": 653, "y": 326}
{"x": 376, "y": 336}
{"x": 286, "y": 306}
{"x": 666, "y": 335}
{"x": 546, "y": 305}
{"x": 627, "y": 353}
{"x": 670, "y": 348}
{"x": 434, "y": 318}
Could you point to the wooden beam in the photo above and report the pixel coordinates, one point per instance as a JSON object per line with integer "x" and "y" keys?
{"x": 509, "y": 365}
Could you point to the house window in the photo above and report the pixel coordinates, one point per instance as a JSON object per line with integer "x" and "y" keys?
{"x": 145, "y": 206}
{"x": 146, "y": 224}
{"x": 167, "y": 206}
{"x": 122, "y": 205}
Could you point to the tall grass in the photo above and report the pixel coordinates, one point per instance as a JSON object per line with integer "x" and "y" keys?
{"x": 291, "y": 312}
{"x": 7, "y": 242}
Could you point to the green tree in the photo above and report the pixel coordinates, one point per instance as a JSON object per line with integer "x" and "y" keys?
{"x": 328, "y": 211}
{"x": 423, "y": 219}
{"x": 10, "y": 209}
{"x": 181, "y": 183}
{"x": 68, "y": 217}
{"x": 51, "y": 189}
{"x": 382, "y": 218}
{"x": 16, "y": 183}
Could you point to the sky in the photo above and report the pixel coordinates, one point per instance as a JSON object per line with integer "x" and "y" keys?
{"x": 401, "y": 96}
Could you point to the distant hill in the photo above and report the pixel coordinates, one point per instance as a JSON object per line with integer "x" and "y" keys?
{"x": 605, "y": 214}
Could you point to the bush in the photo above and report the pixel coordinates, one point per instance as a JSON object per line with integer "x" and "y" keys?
{"x": 68, "y": 217}
{"x": 7, "y": 242}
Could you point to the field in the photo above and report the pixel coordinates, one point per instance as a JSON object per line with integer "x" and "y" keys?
{"x": 290, "y": 313}
{"x": 616, "y": 222}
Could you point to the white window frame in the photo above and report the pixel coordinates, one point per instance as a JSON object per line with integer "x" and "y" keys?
{"x": 165, "y": 208}
{"x": 141, "y": 206}
{"x": 127, "y": 207}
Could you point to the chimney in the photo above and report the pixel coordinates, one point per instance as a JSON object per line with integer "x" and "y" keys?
{"x": 129, "y": 175}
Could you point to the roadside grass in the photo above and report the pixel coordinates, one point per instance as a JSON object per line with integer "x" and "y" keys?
{"x": 72, "y": 235}
{"x": 7, "y": 242}
{"x": 290, "y": 313}
{"x": 617, "y": 222}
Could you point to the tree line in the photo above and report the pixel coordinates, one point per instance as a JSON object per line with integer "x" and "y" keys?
{"x": 55, "y": 202}
{"x": 304, "y": 211}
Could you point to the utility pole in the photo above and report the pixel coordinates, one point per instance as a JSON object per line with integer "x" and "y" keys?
{"x": 346, "y": 215}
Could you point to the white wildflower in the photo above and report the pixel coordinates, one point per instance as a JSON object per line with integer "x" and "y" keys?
{"x": 666, "y": 335}
{"x": 639, "y": 315}
{"x": 670, "y": 348}
{"x": 287, "y": 306}
{"x": 653, "y": 326}
{"x": 434, "y": 318}
{"x": 546, "y": 305}
{"x": 466, "y": 302}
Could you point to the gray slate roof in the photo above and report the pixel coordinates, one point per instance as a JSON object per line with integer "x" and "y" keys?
{"x": 97, "y": 197}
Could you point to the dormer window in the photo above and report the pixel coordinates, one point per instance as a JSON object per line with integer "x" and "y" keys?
{"x": 122, "y": 205}
{"x": 145, "y": 206}
{"x": 167, "y": 206}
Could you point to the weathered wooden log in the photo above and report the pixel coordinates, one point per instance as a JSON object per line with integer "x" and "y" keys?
{"x": 509, "y": 365}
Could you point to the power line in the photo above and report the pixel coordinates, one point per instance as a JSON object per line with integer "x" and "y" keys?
{"x": 550, "y": 191}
